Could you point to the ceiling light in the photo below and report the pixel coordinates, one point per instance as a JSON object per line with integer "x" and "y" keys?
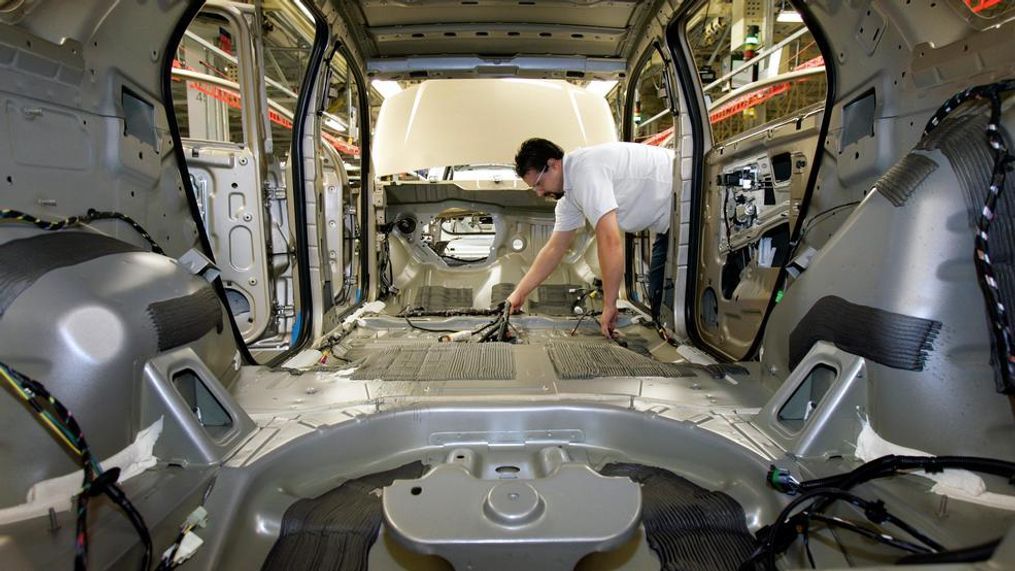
{"x": 789, "y": 17}
{"x": 386, "y": 87}
{"x": 601, "y": 87}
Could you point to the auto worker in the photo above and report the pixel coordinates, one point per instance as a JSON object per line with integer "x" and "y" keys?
{"x": 616, "y": 187}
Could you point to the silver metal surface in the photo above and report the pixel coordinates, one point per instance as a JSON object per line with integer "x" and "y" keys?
{"x": 833, "y": 425}
{"x": 545, "y": 521}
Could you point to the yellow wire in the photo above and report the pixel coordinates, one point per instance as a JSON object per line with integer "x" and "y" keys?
{"x": 48, "y": 422}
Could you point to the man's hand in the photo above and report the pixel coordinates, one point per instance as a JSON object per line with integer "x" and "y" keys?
{"x": 608, "y": 320}
{"x": 516, "y": 300}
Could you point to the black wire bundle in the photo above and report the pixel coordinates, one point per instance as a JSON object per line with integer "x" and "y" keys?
{"x": 777, "y": 537}
{"x": 497, "y": 330}
{"x": 1004, "y": 341}
{"x": 420, "y": 311}
{"x": 64, "y": 427}
{"x": 92, "y": 215}
{"x": 823, "y": 491}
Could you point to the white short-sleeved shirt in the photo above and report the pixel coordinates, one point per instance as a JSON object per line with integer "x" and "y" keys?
{"x": 634, "y": 179}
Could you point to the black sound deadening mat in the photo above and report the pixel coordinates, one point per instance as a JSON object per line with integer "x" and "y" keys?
{"x": 439, "y": 362}
{"x": 440, "y": 298}
{"x": 576, "y": 360}
{"x": 335, "y": 530}
{"x": 892, "y": 339}
{"x": 554, "y": 299}
{"x": 688, "y": 527}
{"x": 500, "y": 293}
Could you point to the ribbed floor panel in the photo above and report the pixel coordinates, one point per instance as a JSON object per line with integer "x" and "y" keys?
{"x": 439, "y": 362}
{"x": 554, "y": 300}
{"x": 335, "y": 530}
{"x": 440, "y": 298}
{"x": 688, "y": 527}
{"x": 575, "y": 360}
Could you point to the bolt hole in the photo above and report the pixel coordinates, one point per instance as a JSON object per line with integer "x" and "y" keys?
{"x": 140, "y": 156}
{"x": 508, "y": 469}
{"x": 460, "y": 457}
{"x": 234, "y": 185}
{"x": 132, "y": 194}
{"x": 28, "y": 43}
{"x": 416, "y": 490}
{"x": 10, "y": 180}
{"x": 856, "y": 155}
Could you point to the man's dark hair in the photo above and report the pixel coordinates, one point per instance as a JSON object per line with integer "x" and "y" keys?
{"x": 534, "y": 154}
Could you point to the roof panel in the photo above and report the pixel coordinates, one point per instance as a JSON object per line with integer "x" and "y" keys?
{"x": 614, "y": 13}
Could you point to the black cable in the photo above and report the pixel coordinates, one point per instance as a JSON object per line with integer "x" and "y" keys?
{"x": 807, "y": 543}
{"x": 726, "y": 218}
{"x": 775, "y": 540}
{"x": 464, "y": 311}
{"x": 91, "y": 215}
{"x": 981, "y": 552}
{"x": 890, "y": 465}
{"x": 820, "y": 217}
{"x": 414, "y": 326}
{"x": 505, "y": 318}
{"x": 875, "y": 535}
{"x": 580, "y": 319}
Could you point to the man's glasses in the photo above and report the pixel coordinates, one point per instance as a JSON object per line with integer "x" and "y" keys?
{"x": 539, "y": 178}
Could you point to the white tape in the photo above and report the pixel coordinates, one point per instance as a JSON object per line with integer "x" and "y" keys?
{"x": 959, "y": 484}
{"x": 58, "y": 493}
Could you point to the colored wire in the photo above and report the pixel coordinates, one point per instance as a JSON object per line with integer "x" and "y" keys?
{"x": 1004, "y": 340}
{"x": 64, "y": 427}
{"x": 92, "y": 215}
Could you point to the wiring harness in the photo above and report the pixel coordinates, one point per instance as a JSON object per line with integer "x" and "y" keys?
{"x": 499, "y": 329}
{"x": 91, "y": 216}
{"x": 1004, "y": 344}
{"x": 814, "y": 496}
{"x": 64, "y": 428}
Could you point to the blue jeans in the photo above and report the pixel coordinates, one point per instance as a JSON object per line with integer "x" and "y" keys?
{"x": 656, "y": 272}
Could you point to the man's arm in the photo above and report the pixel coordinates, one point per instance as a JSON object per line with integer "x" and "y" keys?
{"x": 547, "y": 260}
{"x": 610, "y": 247}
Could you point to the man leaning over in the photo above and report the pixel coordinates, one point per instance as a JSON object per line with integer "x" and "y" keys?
{"x": 617, "y": 187}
